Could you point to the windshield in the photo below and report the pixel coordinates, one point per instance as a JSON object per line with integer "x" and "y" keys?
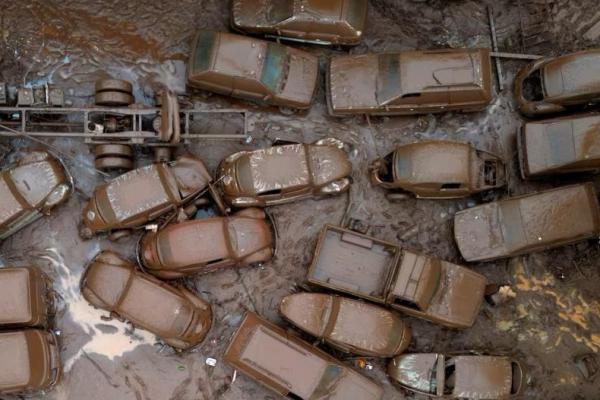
{"x": 202, "y": 53}
{"x": 388, "y": 80}
{"x": 403, "y": 164}
{"x": 330, "y": 377}
{"x": 280, "y": 10}
{"x": 275, "y": 67}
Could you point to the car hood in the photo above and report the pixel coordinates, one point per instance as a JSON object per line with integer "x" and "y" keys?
{"x": 301, "y": 82}
{"x": 414, "y": 371}
{"x": 328, "y": 164}
{"x": 353, "y": 81}
{"x": 478, "y": 232}
{"x": 460, "y": 295}
{"x": 249, "y": 13}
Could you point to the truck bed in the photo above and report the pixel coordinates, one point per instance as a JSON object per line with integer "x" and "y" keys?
{"x": 353, "y": 263}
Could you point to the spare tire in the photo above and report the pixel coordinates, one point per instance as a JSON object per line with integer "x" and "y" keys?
{"x": 117, "y": 85}
{"x": 113, "y": 99}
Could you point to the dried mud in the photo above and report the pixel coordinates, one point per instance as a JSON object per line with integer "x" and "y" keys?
{"x": 554, "y": 317}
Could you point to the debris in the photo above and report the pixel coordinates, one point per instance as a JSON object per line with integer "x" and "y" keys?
{"x": 211, "y": 362}
{"x": 498, "y": 294}
{"x": 588, "y": 366}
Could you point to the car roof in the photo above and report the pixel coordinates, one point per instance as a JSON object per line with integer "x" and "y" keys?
{"x": 433, "y": 162}
{"x": 432, "y": 70}
{"x": 153, "y": 306}
{"x": 136, "y": 191}
{"x": 482, "y": 377}
{"x": 15, "y": 295}
{"x": 573, "y": 74}
{"x": 192, "y": 242}
{"x": 277, "y": 167}
{"x": 15, "y": 360}
{"x": 558, "y": 142}
{"x": 239, "y": 55}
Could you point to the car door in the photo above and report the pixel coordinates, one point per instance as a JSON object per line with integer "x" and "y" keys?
{"x": 216, "y": 82}
{"x": 250, "y": 89}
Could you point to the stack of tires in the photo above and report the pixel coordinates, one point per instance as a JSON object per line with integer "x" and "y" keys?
{"x": 114, "y": 156}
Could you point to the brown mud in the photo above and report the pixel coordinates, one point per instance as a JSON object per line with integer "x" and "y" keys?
{"x": 554, "y": 317}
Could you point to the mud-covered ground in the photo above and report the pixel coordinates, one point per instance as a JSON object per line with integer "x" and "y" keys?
{"x": 71, "y": 43}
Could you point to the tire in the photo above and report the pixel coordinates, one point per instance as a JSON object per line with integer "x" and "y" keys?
{"x": 113, "y": 163}
{"x": 287, "y": 110}
{"x": 113, "y": 99}
{"x": 116, "y": 85}
{"x": 114, "y": 150}
{"x": 118, "y": 235}
{"x": 393, "y": 197}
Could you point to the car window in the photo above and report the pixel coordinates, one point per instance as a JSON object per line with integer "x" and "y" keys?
{"x": 275, "y": 67}
{"x": 450, "y": 376}
{"x": 203, "y": 52}
{"x": 280, "y": 10}
{"x": 388, "y": 80}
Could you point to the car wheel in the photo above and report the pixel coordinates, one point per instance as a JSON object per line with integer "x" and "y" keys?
{"x": 393, "y": 197}
{"x": 118, "y": 235}
{"x": 287, "y": 110}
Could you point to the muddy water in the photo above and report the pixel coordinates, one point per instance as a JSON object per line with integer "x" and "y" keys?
{"x": 72, "y": 43}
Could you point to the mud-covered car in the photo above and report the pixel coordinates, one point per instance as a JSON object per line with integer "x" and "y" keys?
{"x": 461, "y": 376}
{"x": 174, "y": 314}
{"x": 382, "y": 272}
{"x": 25, "y": 297}
{"x": 144, "y": 194}
{"x": 438, "y": 169}
{"x": 208, "y": 244}
{"x": 559, "y": 145}
{"x": 553, "y": 84}
{"x": 410, "y": 82}
{"x": 32, "y": 187}
{"x": 351, "y": 326}
{"x": 285, "y": 173}
{"x": 528, "y": 223}
{"x": 29, "y": 361}
{"x": 292, "y": 367}
{"x": 339, "y": 22}
{"x": 253, "y": 69}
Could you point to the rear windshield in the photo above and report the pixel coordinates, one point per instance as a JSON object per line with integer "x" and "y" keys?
{"x": 275, "y": 66}
{"x": 202, "y": 53}
{"x": 403, "y": 165}
{"x": 280, "y": 10}
{"x": 388, "y": 81}
{"x": 355, "y": 13}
